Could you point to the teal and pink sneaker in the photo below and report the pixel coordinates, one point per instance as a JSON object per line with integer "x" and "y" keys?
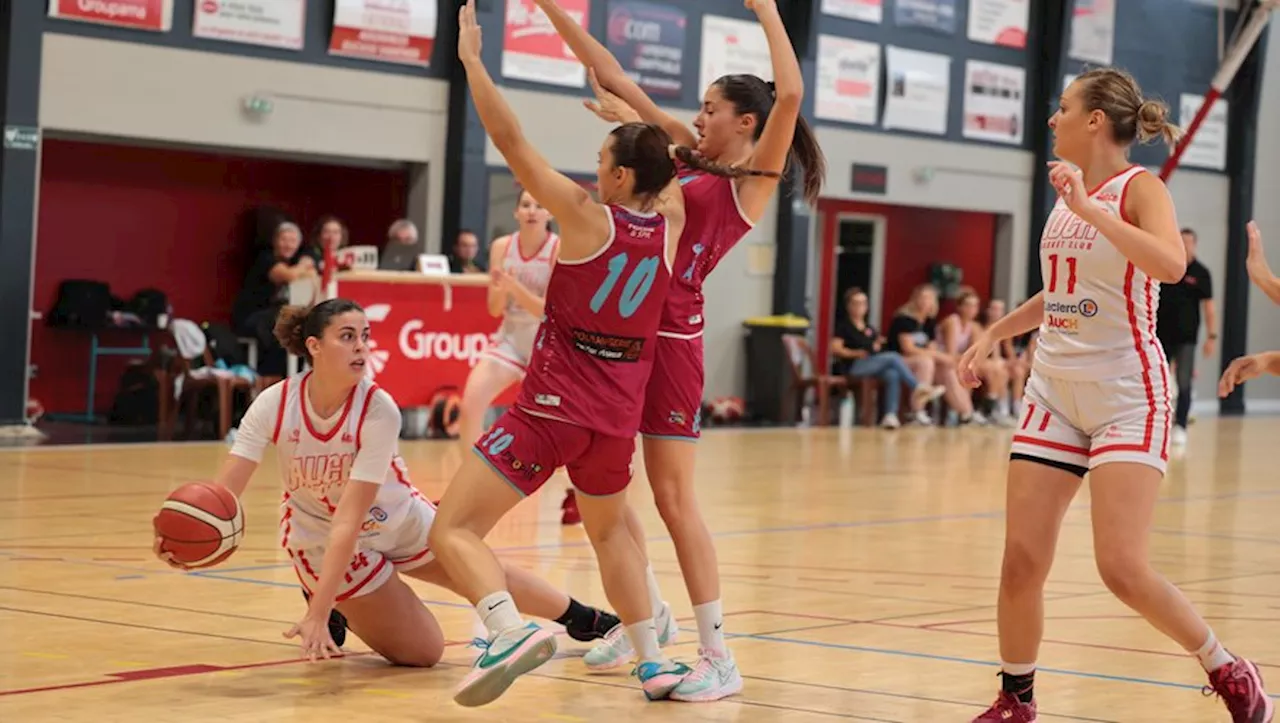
{"x": 659, "y": 678}
{"x": 615, "y": 650}
{"x": 505, "y": 658}
{"x": 715, "y": 676}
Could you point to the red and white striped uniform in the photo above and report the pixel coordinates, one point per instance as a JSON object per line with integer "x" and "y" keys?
{"x": 318, "y": 459}
{"x": 1099, "y": 387}
{"x": 512, "y": 344}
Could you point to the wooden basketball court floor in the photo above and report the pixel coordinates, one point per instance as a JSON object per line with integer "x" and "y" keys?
{"x": 860, "y": 572}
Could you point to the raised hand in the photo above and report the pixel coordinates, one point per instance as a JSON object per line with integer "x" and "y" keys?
{"x": 607, "y": 106}
{"x": 1069, "y": 183}
{"x": 468, "y": 33}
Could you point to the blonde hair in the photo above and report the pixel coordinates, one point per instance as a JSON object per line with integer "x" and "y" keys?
{"x": 1117, "y": 94}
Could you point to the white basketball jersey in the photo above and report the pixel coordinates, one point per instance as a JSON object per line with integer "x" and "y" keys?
{"x": 315, "y": 467}
{"x": 1099, "y": 309}
{"x": 534, "y": 273}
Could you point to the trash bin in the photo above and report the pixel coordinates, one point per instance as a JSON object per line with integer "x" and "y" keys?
{"x": 769, "y": 398}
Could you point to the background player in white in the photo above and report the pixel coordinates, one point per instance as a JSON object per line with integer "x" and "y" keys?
{"x": 350, "y": 518}
{"x": 1098, "y": 401}
{"x": 520, "y": 267}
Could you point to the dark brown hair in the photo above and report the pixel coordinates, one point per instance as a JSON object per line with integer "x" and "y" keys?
{"x": 647, "y": 149}
{"x": 750, "y": 94}
{"x": 1118, "y": 95}
{"x": 851, "y": 292}
{"x": 319, "y": 229}
{"x": 296, "y": 324}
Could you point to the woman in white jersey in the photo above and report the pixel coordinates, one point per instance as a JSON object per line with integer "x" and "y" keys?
{"x": 350, "y": 518}
{"x": 1098, "y": 400}
{"x": 520, "y": 266}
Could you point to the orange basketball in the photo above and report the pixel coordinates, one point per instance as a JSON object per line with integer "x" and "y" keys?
{"x": 201, "y": 523}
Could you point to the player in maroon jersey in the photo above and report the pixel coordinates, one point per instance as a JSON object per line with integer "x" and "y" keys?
{"x": 580, "y": 403}
{"x": 744, "y": 121}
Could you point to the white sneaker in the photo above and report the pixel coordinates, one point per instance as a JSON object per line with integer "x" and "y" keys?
{"x": 615, "y": 651}
{"x": 714, "y": 677}
{"x": 890, "y": 421}
{"x": 1179, "y": 437}
{"x": 923, "y": 419}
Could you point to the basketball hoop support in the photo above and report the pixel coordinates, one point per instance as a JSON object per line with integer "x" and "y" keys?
{"x": 1259, "y": 16}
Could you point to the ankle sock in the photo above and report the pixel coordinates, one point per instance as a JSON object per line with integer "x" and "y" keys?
{"x": 1212, "y": 655}
{"x": 498, "y": 611}
{"x": 710, "y": 623}
{"x": 1018, "y": 680}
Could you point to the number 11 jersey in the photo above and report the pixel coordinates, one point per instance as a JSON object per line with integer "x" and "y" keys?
{"x": 594, "y": 350}
{"x": 1099, "y": 309}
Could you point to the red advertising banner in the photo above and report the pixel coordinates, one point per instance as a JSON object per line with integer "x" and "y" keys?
{"x": 425, "y": 337}
{"x": 532, "y": 49}
{"x": 154, "y": 15}
{"x": 393, "y": 31}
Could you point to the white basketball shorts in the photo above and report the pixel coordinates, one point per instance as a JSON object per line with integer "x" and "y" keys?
{"x": 379, "y": 553}
{"x": 1079, "y": 425}
{"x": 512, "y": 348}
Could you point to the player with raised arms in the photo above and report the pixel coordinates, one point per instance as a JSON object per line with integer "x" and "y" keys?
{"x": 747, "y": 122}
{"x": 1097, "y": 401}
{"x": 351, "y": 521}
{"x": 580, "y": 404}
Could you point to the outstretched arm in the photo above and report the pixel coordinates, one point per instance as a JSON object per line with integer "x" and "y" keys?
{"x": 611, "y": 75}
{"x": 774, "y": 145}
{"x": 1259, "y": 271}
{"x": 566, "y": 200}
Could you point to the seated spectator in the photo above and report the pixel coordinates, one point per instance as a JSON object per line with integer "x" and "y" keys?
{"x": 465, "y": 255}
{"x": 266, "y": 290}
{"x": 1013, "y": 352}
{"x": 401, "y": 251}
{"x": 958, "y": 332}
{"x": 857, "y": 349}
{"x": 911, "y": 334}
{"x": 329, "y": 233}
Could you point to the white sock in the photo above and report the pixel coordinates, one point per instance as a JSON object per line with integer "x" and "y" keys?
{"x": 1212, "y": 655}
{"x": 498, "y": 611}
{"x": 644, "y": 639}
{"x": 655, "y": 595}
{"x": 1018, "y": 668}
{"x": 710, "y": 621}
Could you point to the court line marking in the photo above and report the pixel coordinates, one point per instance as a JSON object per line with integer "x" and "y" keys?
{"x": 908, "y": 696}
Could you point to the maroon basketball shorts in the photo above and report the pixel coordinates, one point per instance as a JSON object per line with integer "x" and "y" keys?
{"x": 526, "y": 449}
{"x": 673, "y": 398}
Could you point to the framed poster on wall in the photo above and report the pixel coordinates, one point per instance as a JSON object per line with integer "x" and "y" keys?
{"x": 532, "y": 50}
{"x": 648, "y": 39}
{"x": 999, "y": 22}
{"x": 731, "y": 46}
{"x": 153, "y": 15}
{"x": 273, "y": 23}
{"x": 848, "y": 84}
{"x": 399, "y": 32}
{"x": 994, "y": 102}
{"x": 868, "y": 11}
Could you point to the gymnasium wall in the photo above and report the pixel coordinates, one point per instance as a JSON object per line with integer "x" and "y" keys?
{"x": 1264, "y": 316}
{"x": 174, "y": 220}
{"x": 317, "y": 27}
{"x": 153, "y": 93}
{"x": 1201, "y": 199}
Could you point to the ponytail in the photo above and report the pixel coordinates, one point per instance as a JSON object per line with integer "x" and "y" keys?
{"x": 693, "y": 159}
{"x": 806, "y": 151}
{"x": 1153, "y": 123}
{"x": 288, "y": 330}
{"x": 296, "y": 324}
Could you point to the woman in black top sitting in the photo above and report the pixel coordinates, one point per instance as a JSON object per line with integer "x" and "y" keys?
{"x": 913, "y": 334}
{"x": 266, "y": 289}
{"x": 858, "y": 351}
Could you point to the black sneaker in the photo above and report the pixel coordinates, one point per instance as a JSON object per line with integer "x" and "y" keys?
{"x": 600, "y": 627}
{"x": 337, "y": 623}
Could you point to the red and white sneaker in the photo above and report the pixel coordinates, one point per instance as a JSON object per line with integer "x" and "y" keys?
{"x": 569, "y": 514}
{"x": 1240, "y": 687}
{"x": 1008, "y": 709}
